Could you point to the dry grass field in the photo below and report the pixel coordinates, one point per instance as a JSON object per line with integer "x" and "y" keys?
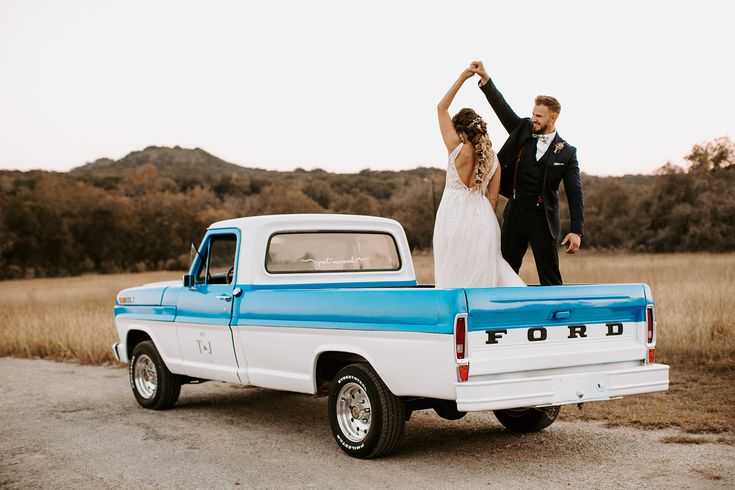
{"x": 65, "y": 319}
{"x": 70, "y": 319}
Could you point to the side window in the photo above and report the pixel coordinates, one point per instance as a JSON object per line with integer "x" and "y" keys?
{"x": 220, "y": 260}
{"x": 202, "y": 270}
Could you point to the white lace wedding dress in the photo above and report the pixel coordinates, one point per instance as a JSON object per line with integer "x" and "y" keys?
{"x": 467, "y": 236}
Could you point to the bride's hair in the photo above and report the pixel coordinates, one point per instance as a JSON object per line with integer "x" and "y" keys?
{"x": 470, "y": 123}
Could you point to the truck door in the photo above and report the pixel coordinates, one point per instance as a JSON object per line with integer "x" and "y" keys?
{"x": 204, "y": 310}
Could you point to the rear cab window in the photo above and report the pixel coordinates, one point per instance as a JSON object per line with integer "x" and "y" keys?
{"x": 331, "y": 251}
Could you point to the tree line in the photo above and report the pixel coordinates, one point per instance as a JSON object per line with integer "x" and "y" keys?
{"x": 142, "y": 213}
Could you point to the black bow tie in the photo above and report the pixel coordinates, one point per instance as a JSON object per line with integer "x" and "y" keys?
{"x": 541, "y": 137}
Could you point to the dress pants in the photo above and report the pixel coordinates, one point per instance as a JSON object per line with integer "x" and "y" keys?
{"x": 525, "y": 223}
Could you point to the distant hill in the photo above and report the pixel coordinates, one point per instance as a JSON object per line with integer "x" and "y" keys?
{"x": 192, "y": 167}
{"x": 173, "y": 162}
{"x": 181, "y": 163}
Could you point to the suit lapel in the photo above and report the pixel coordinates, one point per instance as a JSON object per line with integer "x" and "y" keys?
{"x": 546, "y": 159}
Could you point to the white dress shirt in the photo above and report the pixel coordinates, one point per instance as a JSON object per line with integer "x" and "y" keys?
{"x": 542, "y": 146}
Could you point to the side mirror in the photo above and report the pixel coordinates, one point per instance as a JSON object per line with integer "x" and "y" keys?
{"x": 188, "y": 280}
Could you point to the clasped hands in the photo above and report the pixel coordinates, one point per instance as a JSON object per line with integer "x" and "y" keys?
{"x": 475, "y": 68}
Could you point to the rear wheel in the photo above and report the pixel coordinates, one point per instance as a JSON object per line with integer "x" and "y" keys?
{"x": 367, "y": 420}
{"x": 154, "y": 386}
{"x": 527, "y": 419}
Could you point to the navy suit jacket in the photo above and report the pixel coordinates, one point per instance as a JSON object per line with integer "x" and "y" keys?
{"x": 558, "y": 166}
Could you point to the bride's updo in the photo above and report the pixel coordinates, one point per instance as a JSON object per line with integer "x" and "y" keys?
{"x": 470, "y": 123}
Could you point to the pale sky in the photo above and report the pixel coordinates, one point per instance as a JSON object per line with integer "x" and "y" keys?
{"x": 345, "y": 85}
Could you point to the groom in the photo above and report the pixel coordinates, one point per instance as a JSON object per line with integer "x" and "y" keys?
{"x": 534, "y": 160}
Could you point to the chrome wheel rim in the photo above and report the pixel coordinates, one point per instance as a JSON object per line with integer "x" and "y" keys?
{"x": 145, "y": 377}
{"x": 353, "y": 412}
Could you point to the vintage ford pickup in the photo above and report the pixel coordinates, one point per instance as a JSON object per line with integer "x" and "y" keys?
{"x": 329, "y": 304}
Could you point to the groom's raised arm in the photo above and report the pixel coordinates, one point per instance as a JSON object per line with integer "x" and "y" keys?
{"x": 505, "y": 113}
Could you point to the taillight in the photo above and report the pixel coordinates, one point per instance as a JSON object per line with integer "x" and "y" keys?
{"x": 651, "y": 355}
{"x": 460, "y": 347}
{"x": 650, "y": 323}
{"x": 460, "y": 336}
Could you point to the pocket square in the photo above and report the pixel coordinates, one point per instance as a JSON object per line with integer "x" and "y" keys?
{"x": 558, "y": 163}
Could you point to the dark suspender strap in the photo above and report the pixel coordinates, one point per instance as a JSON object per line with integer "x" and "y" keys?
{"x": 515, "y": 174}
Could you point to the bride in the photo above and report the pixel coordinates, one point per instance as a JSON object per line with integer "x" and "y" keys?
{"x": 466, "y": 232}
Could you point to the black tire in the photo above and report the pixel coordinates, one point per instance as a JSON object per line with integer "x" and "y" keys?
{"x": 159, "y": 393}
{"x": 448, "y": 410}
{"x": 527, "y": 419}
{"x": 387, "y": 413}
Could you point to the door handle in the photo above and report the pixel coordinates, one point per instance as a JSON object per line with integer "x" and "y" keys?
{"x": 224, "y": 297}
{"x": 559, "y": 315}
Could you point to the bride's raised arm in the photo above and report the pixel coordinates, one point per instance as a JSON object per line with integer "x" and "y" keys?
{"x": 449, "y": 134}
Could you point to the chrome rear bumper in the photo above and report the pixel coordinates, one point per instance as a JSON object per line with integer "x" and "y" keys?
{"x": 560, "y": 389}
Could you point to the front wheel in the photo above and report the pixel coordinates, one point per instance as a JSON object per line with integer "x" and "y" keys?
{"x": 154, "y": 386}
{"x": 367, "y": 420}
{"x": 527, "y": 419}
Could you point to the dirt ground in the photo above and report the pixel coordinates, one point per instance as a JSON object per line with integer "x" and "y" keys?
{"x": 71, "y": 426}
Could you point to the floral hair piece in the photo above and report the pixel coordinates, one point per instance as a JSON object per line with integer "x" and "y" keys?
{"x": 476, "y": 123}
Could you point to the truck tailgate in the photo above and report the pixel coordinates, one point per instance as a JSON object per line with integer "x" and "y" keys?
{"x": 540, "y": 328}
{"x": 540, "y": 346}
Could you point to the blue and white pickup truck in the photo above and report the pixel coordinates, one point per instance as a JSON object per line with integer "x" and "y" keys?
{"x": 329, "y": 304}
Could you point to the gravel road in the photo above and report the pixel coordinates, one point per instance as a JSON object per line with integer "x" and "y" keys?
{"x": 70, "y": 426}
